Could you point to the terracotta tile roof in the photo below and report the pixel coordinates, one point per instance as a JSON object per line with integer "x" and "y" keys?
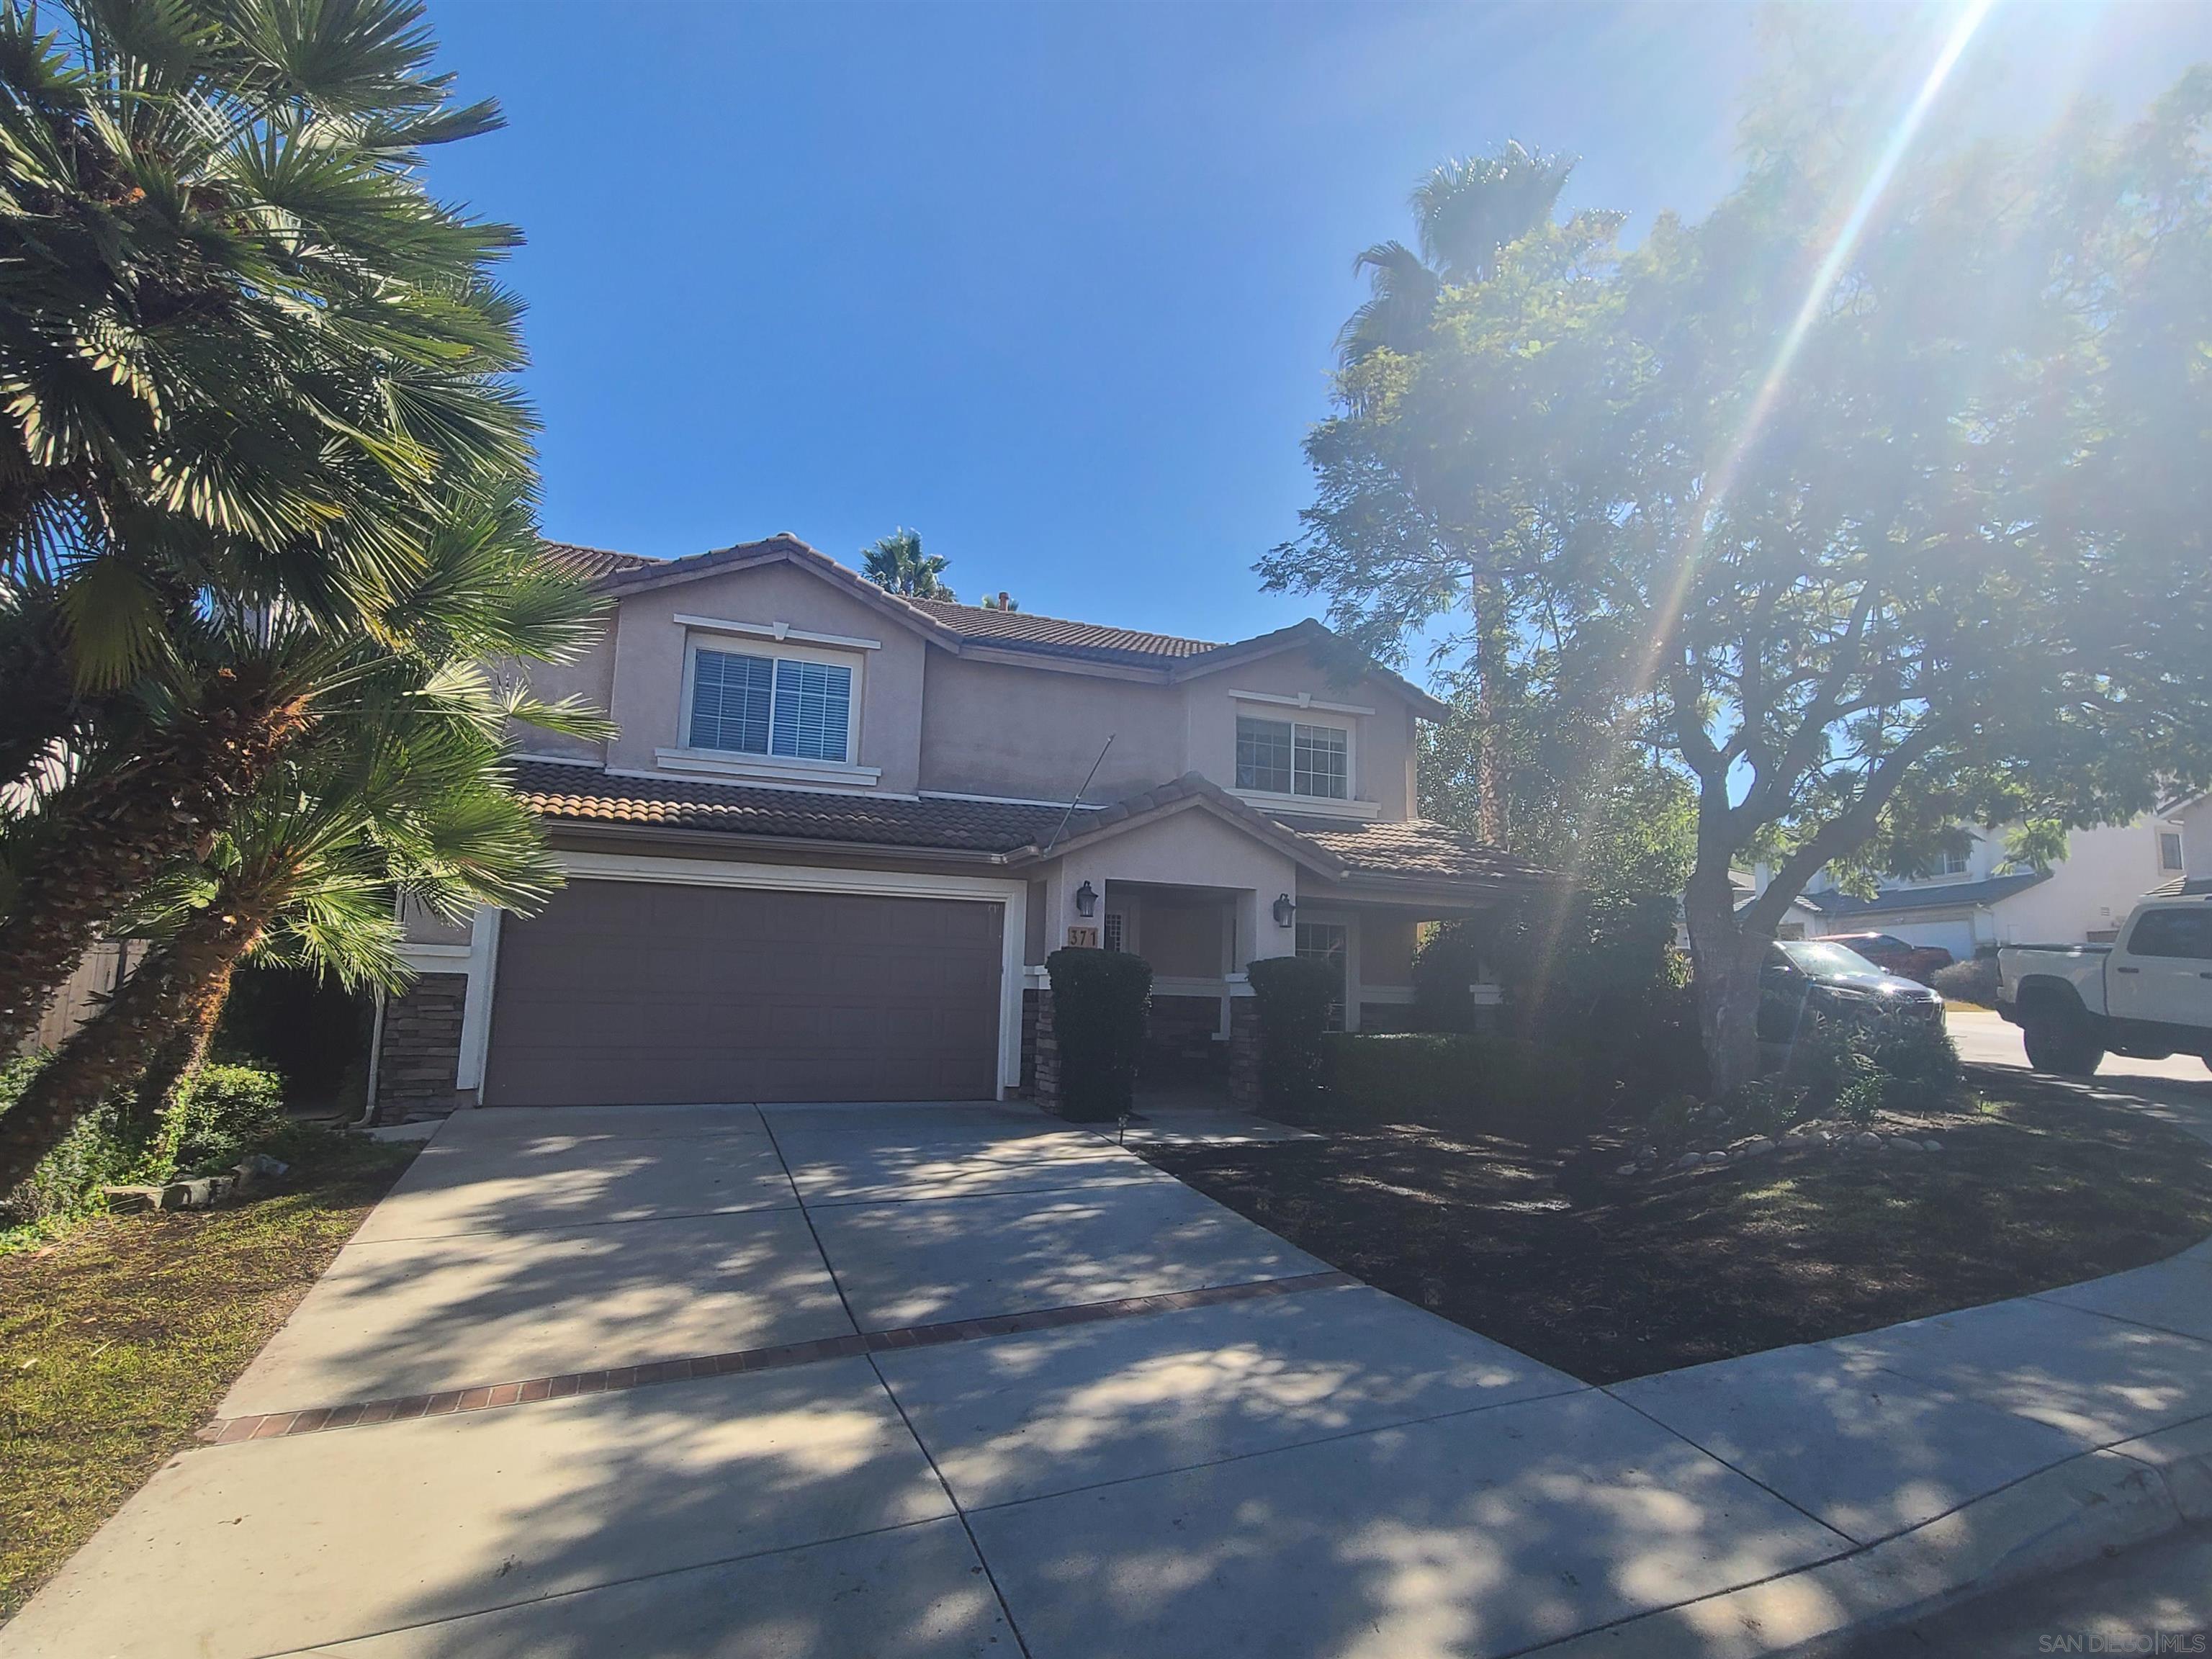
{"x": 1023, "y": 631}
{"x": 1417, "y": 849}
{"x": 587, "y": 795}
{"x": 593, "y": 562}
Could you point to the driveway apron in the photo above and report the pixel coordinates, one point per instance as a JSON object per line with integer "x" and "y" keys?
{"x": 942, "y": 1380}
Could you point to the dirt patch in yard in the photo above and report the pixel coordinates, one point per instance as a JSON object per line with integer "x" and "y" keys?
{"x": 1548, "y": 1251}
{"x": 115, "y": 1343}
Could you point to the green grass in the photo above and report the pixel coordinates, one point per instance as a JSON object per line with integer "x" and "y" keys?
{"x": 1547, "y": 1250}
{"x": 117, "y": 1341}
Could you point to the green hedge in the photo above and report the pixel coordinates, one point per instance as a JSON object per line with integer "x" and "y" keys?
{"x": 1456, "y": 1080}
{"x": 1099, "y": 1002}
{"x": 1293, "y": 994}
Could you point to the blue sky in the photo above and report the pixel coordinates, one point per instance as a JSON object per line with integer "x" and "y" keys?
{"x": 1054, "y": 284}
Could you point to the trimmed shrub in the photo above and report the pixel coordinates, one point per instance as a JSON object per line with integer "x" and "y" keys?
{"x": 95, "y": 1153}
{"x": 1598, "y": 976}
{"x": 1852, "y": 1065}
{"x": 224, "y": 1112}
{"x": 1974, "y": 980}
{"x": 1099, "y": 1001}
{"x": 1458, "y": 1080}
{"x": 1293, "y": 995}
{"x": 1450, "y": 961}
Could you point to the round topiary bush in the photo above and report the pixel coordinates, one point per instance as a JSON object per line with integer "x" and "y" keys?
{"x": 1293, "y": 994}
{"x": 1099, "y": 1003}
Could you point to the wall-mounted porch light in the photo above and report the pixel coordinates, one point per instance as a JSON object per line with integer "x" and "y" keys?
{"x": 1086, "y": 899}
{"x": 1285, "y": 911}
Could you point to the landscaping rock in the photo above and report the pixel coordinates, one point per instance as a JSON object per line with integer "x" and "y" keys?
{"x": 1690, "y": 1161}
{"x": 1757, "y": 1146}
{"x": 1628, "y": 1169}
{"x": 1901, "y": 1144}
{"x": 254, "y": 1168}
{"x": 1716, "y": 1158}
{"x": 131, "y": 1200}
{"x": 1931, "y": 1146}
{"x": 1868, "y": 1141}
{"x": 198, "y": 1193}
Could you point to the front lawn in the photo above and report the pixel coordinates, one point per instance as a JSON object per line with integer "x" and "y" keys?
{"x": 1548, "y": 1251}
{"x": 117, "y": 1343}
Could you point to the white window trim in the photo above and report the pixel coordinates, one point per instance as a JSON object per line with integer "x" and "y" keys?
{"x": 1301, "y": 699}
{"x": 1351, "y": 730}
{"x": 778, "y": 631}
{"x": 1013, "y": 897}
{"x": 1310, "y": 806}
{"x": 736, "y": 762}
{"x": 1349, "y": 920}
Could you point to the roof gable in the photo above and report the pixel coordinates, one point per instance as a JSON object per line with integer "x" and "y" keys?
{"x": 964, "y": 629}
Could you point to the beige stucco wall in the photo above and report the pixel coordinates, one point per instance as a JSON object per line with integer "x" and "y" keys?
{"x": 932, "y": 721}
{"x": 648, "y": 675}
{"x": 1192, "y": 848}
{"x": 992, "y": 729}
{"x": 590, "y": 678}
{"x": 1388, "y": 939}
{"x": 1382, "y": 743}
{"x": 1180, "y": 935}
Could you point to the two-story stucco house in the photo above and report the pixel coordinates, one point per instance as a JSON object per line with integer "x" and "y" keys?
{"x": 839, "y": 831}
{"x": 1978, "y": 898}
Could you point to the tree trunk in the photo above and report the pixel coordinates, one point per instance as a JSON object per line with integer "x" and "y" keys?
{"x": 176, "y": 993}
{"x": 1727, "y": 958}
{"x": 100, "y": 840}
{"x": 1489, "y": 763}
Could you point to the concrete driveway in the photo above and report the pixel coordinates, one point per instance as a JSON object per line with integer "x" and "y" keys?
{"x": 962, "y": 1380}
{"x": 1984, "y": 1039}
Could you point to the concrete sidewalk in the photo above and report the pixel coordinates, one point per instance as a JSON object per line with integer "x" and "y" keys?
{"x": 924, "y": 1381}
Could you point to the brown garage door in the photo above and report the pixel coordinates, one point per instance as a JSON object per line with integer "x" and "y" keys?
{"x": 637, "y": 993}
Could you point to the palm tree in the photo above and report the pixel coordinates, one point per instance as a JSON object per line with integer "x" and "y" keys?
{"x": 1464, "y": 212}
{"x": 402, "y": 793}
{"x": 897, "y": 564}
{"x": 245, "y": 358}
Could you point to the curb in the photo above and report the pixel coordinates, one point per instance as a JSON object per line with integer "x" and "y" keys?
{"x": 2072, "y": 1513}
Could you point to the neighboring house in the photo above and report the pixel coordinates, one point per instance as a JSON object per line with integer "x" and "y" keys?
{"x": 839, "y": 831}
{"x": 1978, "y": 898}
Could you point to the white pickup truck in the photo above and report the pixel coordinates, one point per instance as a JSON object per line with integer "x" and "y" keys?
{"x": 2148, "y": 994}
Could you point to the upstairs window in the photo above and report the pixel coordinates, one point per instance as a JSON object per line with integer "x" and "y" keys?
{"x": 2169, "y": 850}
{"x": 1952, "y": 864}
{"x": 785, "y": 705}
{"x": 1279, "y": 757}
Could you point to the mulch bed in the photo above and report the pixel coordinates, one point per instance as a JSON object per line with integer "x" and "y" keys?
{"x": 1546, "y": 1250}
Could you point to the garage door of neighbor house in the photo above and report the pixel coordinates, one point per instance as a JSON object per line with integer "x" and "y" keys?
{"x": 636, "y": 992}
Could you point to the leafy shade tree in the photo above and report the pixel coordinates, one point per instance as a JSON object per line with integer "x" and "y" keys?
{"x": 245, "y": 359}
{"x": 1466, "y": 213}
{"x": 1869, "y": 534}
{"x": 1621, "y": 824}
{"x": 404, "y": 792}
{"x": 897, "y": 564}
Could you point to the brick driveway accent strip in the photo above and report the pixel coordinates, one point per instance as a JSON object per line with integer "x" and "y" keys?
{"x": 229, "y": 1432}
